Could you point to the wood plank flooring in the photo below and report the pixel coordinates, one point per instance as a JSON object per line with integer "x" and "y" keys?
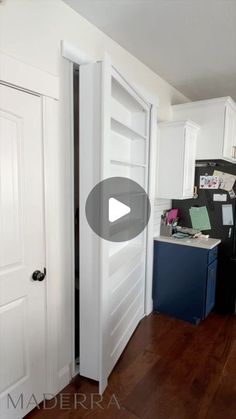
{"x": 169, "y": 370}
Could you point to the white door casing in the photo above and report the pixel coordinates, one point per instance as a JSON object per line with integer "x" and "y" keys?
{"x": 22, "y": 251}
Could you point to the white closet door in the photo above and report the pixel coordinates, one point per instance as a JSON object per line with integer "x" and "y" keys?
{"x": 114, "y": 142}
{"x": 22, "y": 251}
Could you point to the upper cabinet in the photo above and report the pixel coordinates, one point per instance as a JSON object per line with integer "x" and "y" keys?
{"x": 217, "y": 118}
{"x": 229, "y": 145}
{"x": 177, "y": 154}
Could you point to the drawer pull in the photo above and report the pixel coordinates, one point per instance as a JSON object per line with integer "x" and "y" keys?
{"x": 233, "y": 154}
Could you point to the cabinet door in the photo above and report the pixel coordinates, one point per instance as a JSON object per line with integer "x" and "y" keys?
{"x": 176, "y": 165}
{"x": 229, "y": 149}
{"x": 211, "y": 287}
{"x": 179, "y": 287}
{"x": 189, "y": 161}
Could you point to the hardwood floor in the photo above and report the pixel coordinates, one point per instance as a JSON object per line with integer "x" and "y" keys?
{"x": 169, "y": 370}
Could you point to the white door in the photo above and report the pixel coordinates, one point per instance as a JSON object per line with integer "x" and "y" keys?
{"x": 114, "y": 142}
{"x": 22, "y": 300}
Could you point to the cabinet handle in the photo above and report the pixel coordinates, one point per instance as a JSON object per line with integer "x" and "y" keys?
{"x": 233, "y": 154}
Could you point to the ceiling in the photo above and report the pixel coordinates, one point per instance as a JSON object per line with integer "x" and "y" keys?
{"x": 190, "y": 43}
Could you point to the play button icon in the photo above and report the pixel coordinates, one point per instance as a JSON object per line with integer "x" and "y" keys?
{"x": 117, "y": 209}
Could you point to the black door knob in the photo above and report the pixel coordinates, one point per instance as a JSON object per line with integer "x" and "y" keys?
{"x": 38, "y": 276}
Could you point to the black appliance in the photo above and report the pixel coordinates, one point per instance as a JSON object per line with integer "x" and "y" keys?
{"x": 226, "y": 275}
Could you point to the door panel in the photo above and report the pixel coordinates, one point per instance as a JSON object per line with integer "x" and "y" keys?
{"x": 114, "y": 141}
{"x": 11, "y": 208}
{"x": 13, "y": 368}
{"x": 22, "y": 300}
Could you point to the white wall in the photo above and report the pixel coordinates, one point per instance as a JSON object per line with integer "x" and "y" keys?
{"x": 31, "y": 31}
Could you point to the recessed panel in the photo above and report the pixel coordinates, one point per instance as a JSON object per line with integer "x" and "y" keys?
{"x": 13, "y": 356}
{"x": 10, "y": 194}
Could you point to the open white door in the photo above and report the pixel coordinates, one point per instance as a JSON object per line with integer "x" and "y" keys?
{"x": 114, "y": 142}
{"x": 22, "y": 300}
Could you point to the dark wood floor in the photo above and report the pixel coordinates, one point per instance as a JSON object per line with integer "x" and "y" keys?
{"x": 169, "y": 370}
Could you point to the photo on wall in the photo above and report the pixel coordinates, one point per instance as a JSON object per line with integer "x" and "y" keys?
{"x": 209, "y": 182}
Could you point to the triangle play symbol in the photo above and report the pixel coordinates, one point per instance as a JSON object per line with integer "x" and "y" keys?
{"x": 117, "y": 209}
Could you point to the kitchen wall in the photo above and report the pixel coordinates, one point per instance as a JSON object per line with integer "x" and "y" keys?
{"x": 31, "y": 31}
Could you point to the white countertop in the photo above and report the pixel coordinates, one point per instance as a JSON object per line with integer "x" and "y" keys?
{"x": 201, "y": 243}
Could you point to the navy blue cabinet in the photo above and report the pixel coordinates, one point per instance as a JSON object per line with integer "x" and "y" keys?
{"x": 184, "y": 280}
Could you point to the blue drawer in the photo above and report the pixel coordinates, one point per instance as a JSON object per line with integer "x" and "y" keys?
{"x": 212, "y": 255}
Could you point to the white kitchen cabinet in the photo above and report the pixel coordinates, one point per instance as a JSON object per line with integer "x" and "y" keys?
{"x": 217, "y": 118}
{"x": 229, "y": 145}
{"x": 177, "y": 153}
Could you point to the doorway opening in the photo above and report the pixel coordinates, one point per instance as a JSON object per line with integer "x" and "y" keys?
{"x": 76, "y": 217}
{"x": 124, "y": 146}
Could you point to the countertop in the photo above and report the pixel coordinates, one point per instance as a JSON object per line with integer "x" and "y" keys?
{"x": 200, "y": 243}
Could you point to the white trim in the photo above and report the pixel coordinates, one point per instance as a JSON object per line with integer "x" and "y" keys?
{"x": 187, "y": 122}
{"x": 74, "y": 54}
{"x": 226, "y": 99}
{"x": 69, "y": 120}
{"x": 104, "y": 245}
{"x": 24, "y": 76}
{"x": 50, "y": 133}
{"x": 151, "y": 194}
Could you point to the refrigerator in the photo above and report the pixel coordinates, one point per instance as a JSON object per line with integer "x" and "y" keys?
{"x": 226, "y": 271}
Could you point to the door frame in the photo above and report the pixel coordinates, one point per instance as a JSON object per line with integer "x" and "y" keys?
{"x": 31, "y": 80}
{"x": 73, "y": 55}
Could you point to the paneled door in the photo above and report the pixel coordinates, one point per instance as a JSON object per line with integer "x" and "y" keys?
{"x": 114, "y": 142}
{"x": 22, "y": 299}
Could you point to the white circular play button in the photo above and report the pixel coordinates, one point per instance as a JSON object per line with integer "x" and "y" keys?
{"x": 118, "y": 209}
